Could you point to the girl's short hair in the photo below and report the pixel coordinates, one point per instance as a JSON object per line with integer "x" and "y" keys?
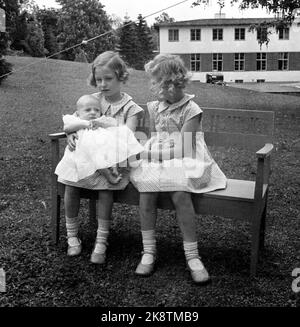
{"x": 111, "y": 60}
{"x": 168, "y": 69}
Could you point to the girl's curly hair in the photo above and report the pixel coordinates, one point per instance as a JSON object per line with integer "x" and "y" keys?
{"x": 111, "y": 60}
{"x": 167, "y": 69}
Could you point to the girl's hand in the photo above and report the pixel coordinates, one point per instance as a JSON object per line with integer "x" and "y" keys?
{"x": 71, "y": 140}
{"x": 105, "y": 122}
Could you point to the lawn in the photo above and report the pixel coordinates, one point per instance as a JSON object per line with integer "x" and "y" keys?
{"x": 40, "y": 274}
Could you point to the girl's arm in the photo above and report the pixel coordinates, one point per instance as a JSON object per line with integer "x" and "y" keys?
{"x": 73, "y": 124}
{"x": 191, "y": 127}
{"x": 132, "y": 122}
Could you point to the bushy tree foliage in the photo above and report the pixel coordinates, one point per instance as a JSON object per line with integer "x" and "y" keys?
{"x": 135, "y": 42}
{"x": 5, "y": 67}
{"x": 128, "y": 43}
{"x": 34, "y": 38}
{"x": 82, "y": 20}
{"x": 164, "y": 18}
{"x": 48, "y": 19}
{"x": 11, "y": 10}
{"x": 145, "y": 43}
{"x": 24, "y": 30}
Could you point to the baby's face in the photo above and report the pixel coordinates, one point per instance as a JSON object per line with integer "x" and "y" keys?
{"x": 89, "y": 111}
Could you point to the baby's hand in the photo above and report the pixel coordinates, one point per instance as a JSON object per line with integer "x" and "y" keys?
{"x": 94, "y": 124}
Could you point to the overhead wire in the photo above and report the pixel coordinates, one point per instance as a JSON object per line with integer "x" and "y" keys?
{"x": 84, "y": 42}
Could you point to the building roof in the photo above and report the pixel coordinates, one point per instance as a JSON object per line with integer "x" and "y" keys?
{"x": 218, "y": 22}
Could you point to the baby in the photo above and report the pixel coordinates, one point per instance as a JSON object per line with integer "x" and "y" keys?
{"x": 101, "y": 144}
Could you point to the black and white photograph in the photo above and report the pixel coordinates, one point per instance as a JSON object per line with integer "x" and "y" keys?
{"x": 149, "y": 158}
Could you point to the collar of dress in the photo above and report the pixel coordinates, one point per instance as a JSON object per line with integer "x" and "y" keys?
{"x": 164, "y": 105}
{"x": 115, "y": 106}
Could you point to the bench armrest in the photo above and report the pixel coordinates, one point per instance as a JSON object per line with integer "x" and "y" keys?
{"x": 263, "y": 170}
{"x": 56, "y": 136}
{"x": 265, "y": 151}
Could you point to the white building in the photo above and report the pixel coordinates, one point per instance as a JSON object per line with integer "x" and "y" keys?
{"x": 227, "y": 46}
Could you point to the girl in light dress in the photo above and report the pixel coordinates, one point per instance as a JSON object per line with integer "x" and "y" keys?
{"x": 175, "y": 160}
{"x": 108, "y": 73}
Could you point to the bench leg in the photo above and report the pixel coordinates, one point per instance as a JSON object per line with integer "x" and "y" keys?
{"x": 93, "y": 210}
{"x": 263, "y": 228}
{"x": 257, "y": 237}
{"x": 55, "y": 218}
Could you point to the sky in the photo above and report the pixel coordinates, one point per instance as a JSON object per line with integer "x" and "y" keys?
{"x": 181, "y": 12}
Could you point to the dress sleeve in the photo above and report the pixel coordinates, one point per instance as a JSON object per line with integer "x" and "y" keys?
{"x": 70, "y": 119}
{"x": 133, "y": 109}
{"x": 190, "y": 111}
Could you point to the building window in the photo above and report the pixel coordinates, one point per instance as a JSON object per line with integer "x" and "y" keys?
{"x": 283, "y": 61}
{"x": 195, "y": 62}
{"x": 173, "y": 35}
{"x": 284, "y": 33}
{"x": 262, "y": 33}
{"x": 217, "y": 34}
{"x": 261, "y": 61}
{"x": 217, "y": 62}
{"x": 239, "y": 61}
{"x": 239, "y": 34}
{"x": 195, "y": 34}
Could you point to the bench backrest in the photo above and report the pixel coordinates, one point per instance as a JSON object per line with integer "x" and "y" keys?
{"x": 247, "y": 129}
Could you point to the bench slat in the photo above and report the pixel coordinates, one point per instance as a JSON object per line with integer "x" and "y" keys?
{"x": 237, "y": 140}
{"x": 238, "y": 121}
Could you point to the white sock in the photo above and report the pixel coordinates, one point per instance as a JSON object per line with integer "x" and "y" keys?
{"x": 192, "y": 255}
{"x": 72, "y": 226}
{"x": 149, "y": 246}
{"x": 102, "y": 235}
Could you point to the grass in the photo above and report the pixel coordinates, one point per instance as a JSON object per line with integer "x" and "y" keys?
{"x": 39, "y": 274}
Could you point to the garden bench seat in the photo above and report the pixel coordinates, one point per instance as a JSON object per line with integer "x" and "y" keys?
{"x": 242, "y": 199}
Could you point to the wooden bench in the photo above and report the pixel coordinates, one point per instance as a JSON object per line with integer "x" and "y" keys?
{"x": 242, "y": 199}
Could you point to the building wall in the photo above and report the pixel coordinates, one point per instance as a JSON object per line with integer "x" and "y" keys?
{"x": 228, "y": 47}
{"x": 207, "y": 45}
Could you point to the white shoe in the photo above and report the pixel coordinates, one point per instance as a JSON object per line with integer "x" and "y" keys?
{"x": 74, "y": 246}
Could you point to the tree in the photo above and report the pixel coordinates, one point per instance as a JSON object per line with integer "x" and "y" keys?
{"x": 82, "y": 20}
{"x": 12, "y": 10}
{"x": 164, "y": 18}
{"x": 34, "y": 37}
{"x": 283, "y": 10}
{"x": 23, "y": 29}
{"x": 128, "y": 43}
{"x": 145, "y": 44}
{"x": 49, "y": 19}
{"x": 5, "y": 67}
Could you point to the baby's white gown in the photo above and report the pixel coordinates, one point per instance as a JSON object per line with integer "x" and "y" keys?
{"x": 97, "y": 149}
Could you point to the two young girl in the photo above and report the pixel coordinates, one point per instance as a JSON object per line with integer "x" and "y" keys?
{"x": 174, "y": 160}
